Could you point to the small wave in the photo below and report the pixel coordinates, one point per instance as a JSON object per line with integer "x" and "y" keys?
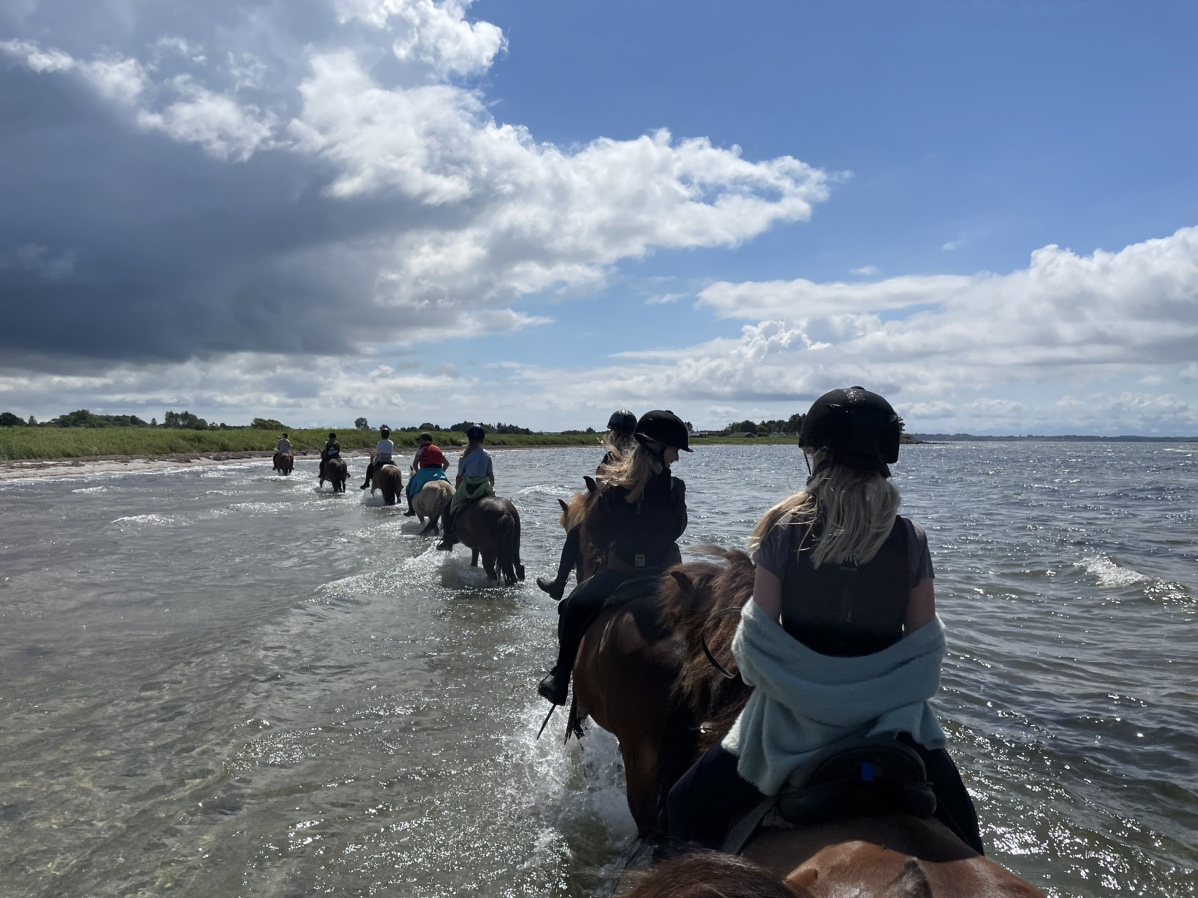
{"x": 91, "y": 489}
{"x": 155, "y": 520}
{"x": 1109, "y": 573}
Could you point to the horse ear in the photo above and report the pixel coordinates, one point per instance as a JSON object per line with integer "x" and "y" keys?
{"x": 684, "y": 582}
{"x": 590, "y": 482}
{"x": 564, "y": 504}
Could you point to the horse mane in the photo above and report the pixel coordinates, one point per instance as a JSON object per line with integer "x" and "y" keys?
{"x": 701, "y": 601}
{"x": 709, "y": 874}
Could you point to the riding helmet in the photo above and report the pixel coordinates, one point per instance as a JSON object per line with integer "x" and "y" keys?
{"x": 855, "y": 427}
{"x": 384, "y": 431}
{"x": 663, "y": 426}
{"x": 622, "y": 421}
{"x": 332, "y": 436}
{"x": 475, "y": 432}
{"x": 425, "y": 437}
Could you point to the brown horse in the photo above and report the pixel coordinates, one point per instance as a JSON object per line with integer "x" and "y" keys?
{"x": 855, "y": 851}
{"x": 434, "y": 497}
{"x": 284, "y": 463}
{"x": 490, "y": 527}
{"x": 389, "y": 479}
{"x": 336, "y": 472}
{"x": 574, "y": 514}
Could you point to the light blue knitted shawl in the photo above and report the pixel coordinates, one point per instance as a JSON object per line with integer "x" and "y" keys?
{"x": 804, "y": 701}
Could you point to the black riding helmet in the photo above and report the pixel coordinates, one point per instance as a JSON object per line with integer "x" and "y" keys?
{"x": 855, "y": 427}
{"x": 385, "y": 431}
{"x": 664, "y": 427}
{"x": 622, "y": 421}
{"x": 475, "y": 432}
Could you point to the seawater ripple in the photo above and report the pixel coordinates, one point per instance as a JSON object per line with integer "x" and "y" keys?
{"x": 219, "y": 681}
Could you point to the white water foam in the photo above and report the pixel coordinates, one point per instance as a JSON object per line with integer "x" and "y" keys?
{"x": 1109, "y": 573}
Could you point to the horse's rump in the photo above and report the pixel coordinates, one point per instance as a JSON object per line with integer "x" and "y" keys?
{"x": 490, "y": 527}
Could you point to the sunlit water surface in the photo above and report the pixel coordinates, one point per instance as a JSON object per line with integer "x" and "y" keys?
{"x": 219, "y": 682}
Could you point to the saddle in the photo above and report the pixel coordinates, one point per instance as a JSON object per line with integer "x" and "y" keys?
{"x": 880, "y": 773}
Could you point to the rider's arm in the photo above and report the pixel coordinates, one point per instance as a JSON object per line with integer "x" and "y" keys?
{"x": 921, "y": 605}
{"x": 767, "y": 592}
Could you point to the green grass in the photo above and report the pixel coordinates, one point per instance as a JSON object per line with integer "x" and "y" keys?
{"x": 43, "y": 443}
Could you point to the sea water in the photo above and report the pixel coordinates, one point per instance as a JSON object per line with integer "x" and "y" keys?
{"x": 215, "y": 681}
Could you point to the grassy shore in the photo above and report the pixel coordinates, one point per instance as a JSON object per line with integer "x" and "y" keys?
{"x": 49, "y": 443}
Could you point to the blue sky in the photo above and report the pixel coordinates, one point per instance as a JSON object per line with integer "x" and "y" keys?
{"x": 537, "y": 212}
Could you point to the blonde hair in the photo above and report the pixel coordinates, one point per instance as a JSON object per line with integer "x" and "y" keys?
{"x": 470, "y": 447}
{"x": 856, "y": 510}
{"x": 617, "y": 443}
{"x": 633, "y": 470}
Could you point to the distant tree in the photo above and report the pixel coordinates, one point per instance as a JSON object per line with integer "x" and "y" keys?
{"x": 32, "y": 421}
{"x": 153, "y": 422}
{"x": 8, "y": 419}
{"x": 690, "y": 428}
{"x": 184, "y": 421}
{"x": 795, "y": 422}
{"x": 745, "y": 426}
{"x": 361, "y": 424}
{"x": 902, "y": 424}
{"x": 430, "y": 427}
{"x": 79, "y": 418}
{"x": 266, "y": 424}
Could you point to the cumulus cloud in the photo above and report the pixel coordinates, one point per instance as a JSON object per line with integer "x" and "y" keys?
{"x": 260, "y": 181}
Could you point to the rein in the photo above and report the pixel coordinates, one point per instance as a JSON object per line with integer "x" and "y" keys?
{"x": 707, "y": 651}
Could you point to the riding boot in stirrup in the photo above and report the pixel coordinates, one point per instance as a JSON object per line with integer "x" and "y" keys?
{"x": 448, "y": 540}
{"x": 555, "y": 686}
{"x": 555, "y": 588}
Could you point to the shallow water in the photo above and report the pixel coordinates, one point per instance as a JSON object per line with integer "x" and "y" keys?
{"x": 217, "y": 681}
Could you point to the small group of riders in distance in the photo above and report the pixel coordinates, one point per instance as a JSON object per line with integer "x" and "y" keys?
{"x": 836, "y": 642}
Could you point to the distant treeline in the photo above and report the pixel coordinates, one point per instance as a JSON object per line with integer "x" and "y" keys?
{"x": 1063, "y": 438}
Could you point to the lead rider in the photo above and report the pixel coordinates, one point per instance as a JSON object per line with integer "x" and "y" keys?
{"x": 638, "y": 516}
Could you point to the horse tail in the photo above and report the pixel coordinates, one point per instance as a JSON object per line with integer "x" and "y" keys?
{"x": 509, "y": 548}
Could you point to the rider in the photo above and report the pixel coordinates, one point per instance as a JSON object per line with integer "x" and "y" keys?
{"x": 383, "y": 451}
{"x": 425, "y": 439}
{"x": 617, "y": 441}
{"x": 638, "y": 517}
{"x": 432, "y": 467}
{"x": 476, "y": 478}
{"x": 284, "y": 445}
{"x": 332, "y": 449}
{"x": 840, "y": 575}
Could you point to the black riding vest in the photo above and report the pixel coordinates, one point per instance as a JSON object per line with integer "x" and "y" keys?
{"x": 644, "y": 532}
{"x": 846, "y": 609}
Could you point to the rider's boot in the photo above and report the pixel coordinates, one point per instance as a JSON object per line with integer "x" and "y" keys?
{"x": 557, "y": 586}
{"x": 448, "y": 540}
{"x": 572, "y": 623}
{"x": 369, "y": 474}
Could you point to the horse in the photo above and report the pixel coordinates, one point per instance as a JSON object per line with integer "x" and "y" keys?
{"x": 490, "y": 527}
{"x": 854, "y": 849}
{"x": 429, "y": 504}
{"x": 574, "y": 514}
{"x": 389, "y": 479}
{"x": 284, "y": 463}
{"x": 624, "y": 680}
{"x": 336, "y": 472}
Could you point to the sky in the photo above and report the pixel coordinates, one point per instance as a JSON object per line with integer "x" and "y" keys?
{"x": 539, "y": 211}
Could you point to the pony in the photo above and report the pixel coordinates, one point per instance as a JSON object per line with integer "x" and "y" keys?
{"x": 284, "y": 463}
{"x": 429, "y": 504}
{"x": 855, "y": 849}
{"x": 336, "y": 472}
{"x": 490, "y": 527}
{"x": 389, "y": 479}
{"x": 574, "y": 514}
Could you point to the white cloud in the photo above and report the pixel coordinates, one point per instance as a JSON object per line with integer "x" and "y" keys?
{"x": 866, "y": 271}
{"x": 224, "y": 128}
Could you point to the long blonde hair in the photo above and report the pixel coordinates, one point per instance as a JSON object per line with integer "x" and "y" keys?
{"x": 618, "y": 443}
{"x": 470, "y": 447}
{"x": 633, "y": 470}
{"x": 855, "y": 508}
